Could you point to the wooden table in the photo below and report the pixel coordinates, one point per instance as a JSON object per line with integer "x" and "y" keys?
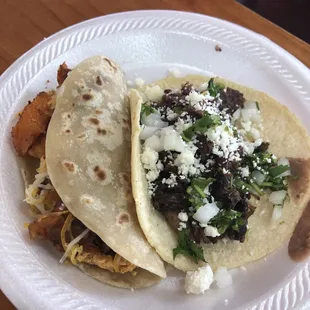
{"x": 24, "y": 23}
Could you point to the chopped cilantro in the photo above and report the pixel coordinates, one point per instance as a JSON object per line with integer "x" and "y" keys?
{"x": 196, "y": 191}
{"x": 214, "y": 88}
{"x": 201, "y": 126}
{"x": 146, "y": 110}
{"x": 276, "y": 171}
{"x": 257, "y": 106}
{"x": 225, "y": 219}
{"x": 187, "y": 247}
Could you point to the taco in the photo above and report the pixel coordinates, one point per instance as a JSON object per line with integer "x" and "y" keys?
{"x": 81, "y": 193}
{"x": 220, "y": 172}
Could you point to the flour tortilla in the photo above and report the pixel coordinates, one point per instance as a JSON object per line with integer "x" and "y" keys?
{"x": 88, "y": 161}
{"x": 287, "y": 138}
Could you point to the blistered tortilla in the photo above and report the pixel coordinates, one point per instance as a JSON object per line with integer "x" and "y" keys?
{"x": 287, "y": 138}
{"x": 88, "y": 161}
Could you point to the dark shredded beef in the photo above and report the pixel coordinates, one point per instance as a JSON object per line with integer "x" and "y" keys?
{"x": 205, "y": 148}
{"x": 172, "y": 219}
{"x": 237, "y": 235}
{"x": 187, "y": 88}
{"x": 222, "y": 191}
{"x": 232, "y": 100}
{"x": 176, "y": 100}
{"x": 171, "y": 199}
{"x": 262, "y": 148}
{"x": 198, "y": 235}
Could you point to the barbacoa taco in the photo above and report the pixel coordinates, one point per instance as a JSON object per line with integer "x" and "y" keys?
{"x": 220, "y": 172}
{"x": 81, "y": 193}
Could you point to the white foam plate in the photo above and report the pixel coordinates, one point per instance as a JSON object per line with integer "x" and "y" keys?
{"x": 146, "y": 44}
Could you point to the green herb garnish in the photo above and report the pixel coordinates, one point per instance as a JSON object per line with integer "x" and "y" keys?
{"x": 257, "y": 106}
{"x": 214, "y": 88}
{"x": 146, "y": 110}
{"x": 187, "y": 247}
{"x": 201, "y": 126}
{"x": 278, "y": 170}
{"x": 196, "y": 191}
{"x": 225, "y": 219}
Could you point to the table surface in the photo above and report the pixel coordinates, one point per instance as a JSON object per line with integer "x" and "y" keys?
{"x": 24, "y": 23}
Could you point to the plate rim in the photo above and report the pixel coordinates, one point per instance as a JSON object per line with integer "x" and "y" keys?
{"x": 7, "y": 74}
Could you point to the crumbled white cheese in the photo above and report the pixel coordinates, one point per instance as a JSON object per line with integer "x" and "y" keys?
{"x": 149, "y": 158}
{"x": 211, "y": 231}
{"x": 139, "y": 82}
{"x": 194, "y": 98}
{"x": 154, "y": 93}
{"x": 222, "y": 277}
{"x": 183, "y": 216}
{"x": 182, "y": 226}
{"x": 245, "y": 172}
{"x": 174, "y": 72}
{"x": 197, "y": 282}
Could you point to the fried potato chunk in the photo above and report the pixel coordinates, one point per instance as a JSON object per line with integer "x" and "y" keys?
{"x": 62, "y": 73}
{"x": 38, "y": 148}
{"x": 33, "y": 122}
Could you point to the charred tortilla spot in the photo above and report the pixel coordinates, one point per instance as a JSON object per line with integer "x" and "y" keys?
{"x": 94, "y": 121}
{"x": 69, "y": 166}
{"x": 101, "y": 131}
{"x": 98, "y": 112}
{"x": 100, "y": 173}
{"x": 99, "y": 81}
{"x": 86, "y": 200}
{"x": 87, "y": 97}
{"x": 68, "y": 131}
{"x": 123, "y": 219}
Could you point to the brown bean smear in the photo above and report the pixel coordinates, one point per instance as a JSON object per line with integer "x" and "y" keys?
{"x": 299, "y": 245}
{"x": 101, "y": 175}
{"x": 87, "y": 97}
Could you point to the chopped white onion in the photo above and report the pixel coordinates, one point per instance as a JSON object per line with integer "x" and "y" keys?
{"x": 154, "y": 142}
{"x": 72, "y": 243}
{"x": 222, "y": 277}
{"x": 258, "y": 177}
{"x": 277, "y": 212}
{"x": 205, "y": 213}
{"x": 154, "y": 120}
{"x": 250, "y": 105}
{"x": 277, "y": 197}
{"x": 154, "y": 93}
{"x": 284, "y": 161}
{"x": 236, "y": 114}
{"x": 251, "y": 114}
{"x": 147, "y": 132}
